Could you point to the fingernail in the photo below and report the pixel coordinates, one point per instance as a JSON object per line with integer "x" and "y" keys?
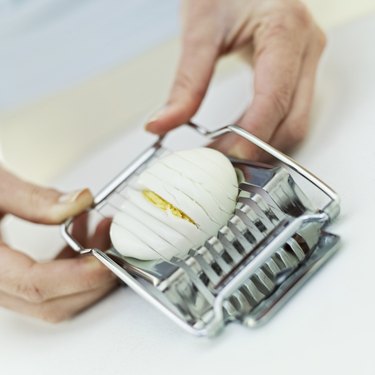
{"x": 155, "y": 116}
{"x": 73, "y": 196}
{"x": 70, "y": 204}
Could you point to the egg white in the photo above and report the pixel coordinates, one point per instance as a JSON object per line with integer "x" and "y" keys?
{"x": 201, "y": 183}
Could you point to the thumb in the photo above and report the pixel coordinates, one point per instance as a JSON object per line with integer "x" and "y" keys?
{"x": 192, "y": 78}
{"x": 38, "y": 204}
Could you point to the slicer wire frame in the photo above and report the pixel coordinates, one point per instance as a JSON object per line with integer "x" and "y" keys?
{"x": 324, "y": 215}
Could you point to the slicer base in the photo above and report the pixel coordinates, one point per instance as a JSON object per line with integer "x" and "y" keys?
{"x": 326, "y": 248}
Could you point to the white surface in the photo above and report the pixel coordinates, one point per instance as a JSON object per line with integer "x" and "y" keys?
{"x": 327, "y": 328}
{"x": 65, "y": 42}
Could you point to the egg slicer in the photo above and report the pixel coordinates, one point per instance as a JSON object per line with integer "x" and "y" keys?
{"x": 274, "y": 242}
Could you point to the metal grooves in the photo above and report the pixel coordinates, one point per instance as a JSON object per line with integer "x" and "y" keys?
{"x": 207, "y": 267}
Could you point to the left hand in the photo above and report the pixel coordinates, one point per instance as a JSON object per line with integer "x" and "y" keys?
{"x": 283, "y": 44}
{"x": 60, "y": 288}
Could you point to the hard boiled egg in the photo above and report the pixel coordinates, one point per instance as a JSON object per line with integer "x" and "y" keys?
{"x": 175, "y": 204}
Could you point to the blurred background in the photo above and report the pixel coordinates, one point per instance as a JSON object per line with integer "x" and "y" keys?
{"x": 76, "y": 73}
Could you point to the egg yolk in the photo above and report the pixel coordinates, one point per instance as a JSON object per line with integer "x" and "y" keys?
{"x": 164, "y": 205}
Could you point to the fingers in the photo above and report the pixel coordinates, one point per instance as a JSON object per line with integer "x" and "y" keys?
{"x": 80, "y": 228}
{"x": 277, "y": 59}
{"x": 39, "y": 204}
{"x": 34, "y": 282}
{"x": 278, "y": 35}
{"x": 294, "y": 128}
{"x": 101, "y": 239}
{"x": 57, "y": 310}
{"x": 80, "y": 233}
{"x": 59, "y": 289}
{"x": 190, "y": 85}
{"x": 285, "y": 62}
{"x": 194, "y": 72}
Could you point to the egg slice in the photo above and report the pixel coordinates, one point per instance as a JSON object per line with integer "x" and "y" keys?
{"x": 175, "y": 204}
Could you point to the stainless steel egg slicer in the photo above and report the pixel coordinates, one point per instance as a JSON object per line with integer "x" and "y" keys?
{"x": 275, "y": 240}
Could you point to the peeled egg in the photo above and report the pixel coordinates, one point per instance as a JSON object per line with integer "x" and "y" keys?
{"x": 175, "y": 204}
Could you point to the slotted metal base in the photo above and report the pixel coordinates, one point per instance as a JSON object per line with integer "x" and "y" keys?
{"x": 267, "y": 197}
{"x": 326, "y": 248}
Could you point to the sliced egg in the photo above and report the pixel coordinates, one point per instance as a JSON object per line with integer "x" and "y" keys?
{"x": 175, "y": 204}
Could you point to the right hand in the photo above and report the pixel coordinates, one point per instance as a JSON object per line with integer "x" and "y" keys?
{"x": 283, "y": 44}
{"x": 58, "y": 289}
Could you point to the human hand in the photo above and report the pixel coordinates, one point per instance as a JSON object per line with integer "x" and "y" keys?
{"x": 283, "y": 44}
{"x": 55, "y": 290}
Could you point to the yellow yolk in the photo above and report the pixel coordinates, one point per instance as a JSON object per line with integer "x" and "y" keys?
{"x": 164, "y": 205}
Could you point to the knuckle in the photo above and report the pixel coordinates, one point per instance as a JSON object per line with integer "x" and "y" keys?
{"x": 297, "y": 131}
{"x": 300, "y": 134}
{"x": 256, "y": 128}
{"x": 35, "y": 196}
{"x": 276, "y": 27}
{"x": 185, "y": 83}
{"x": 195, "y": 38}
{"x": 31, "y": 293}
{"x": 29, "y": 287}
{"x": 202, "y": 38}
{"x": 300, "y": 14}
{"x": 321, "y": 38}
{"x": 293, "y": 16}
{"x": 39, "y": 200}
{"x": 281, "y": 100}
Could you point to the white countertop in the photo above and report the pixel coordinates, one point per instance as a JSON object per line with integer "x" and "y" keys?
{"x": 327, "y": 328}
